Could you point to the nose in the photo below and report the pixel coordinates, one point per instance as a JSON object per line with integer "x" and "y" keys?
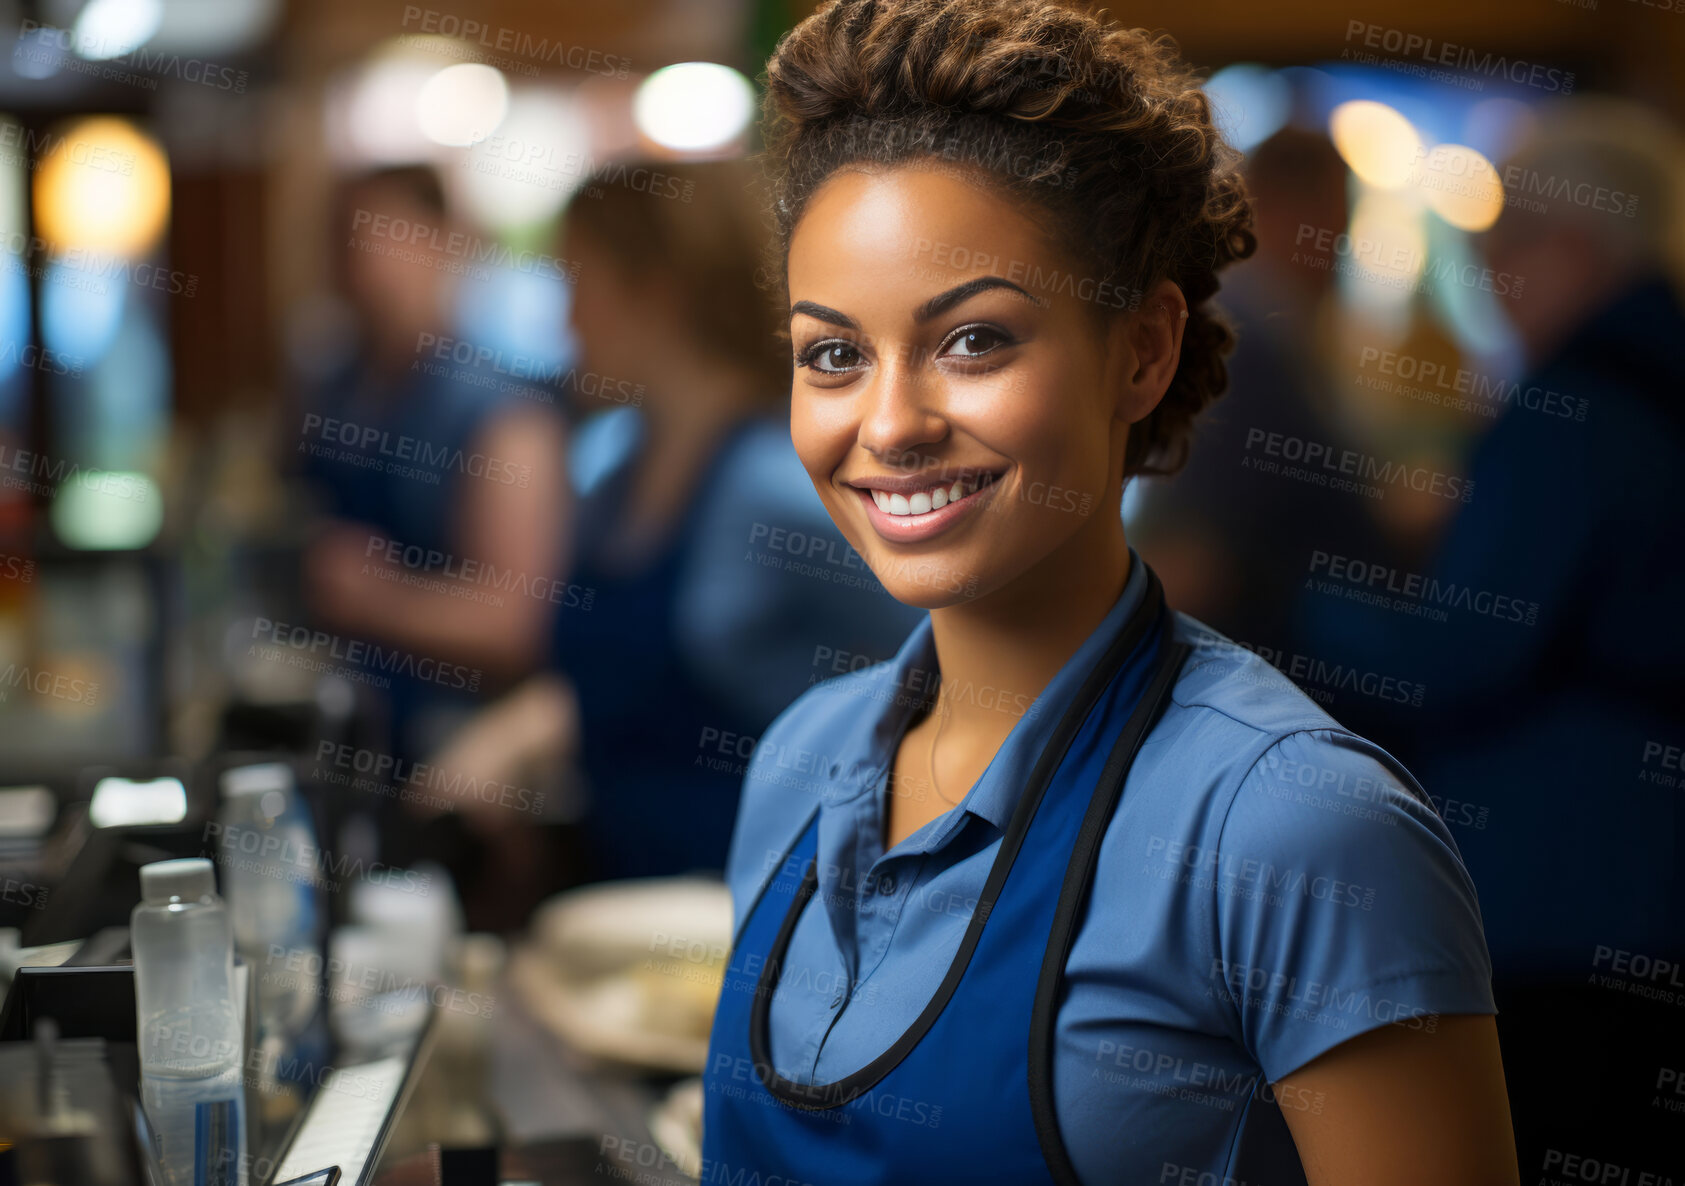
{"x": 902, "y": 413}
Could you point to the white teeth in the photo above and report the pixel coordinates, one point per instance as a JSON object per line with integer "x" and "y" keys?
{"x": 924, "y": 501}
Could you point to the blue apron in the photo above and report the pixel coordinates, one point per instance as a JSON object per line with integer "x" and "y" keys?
{"x": 982, "y": 1049}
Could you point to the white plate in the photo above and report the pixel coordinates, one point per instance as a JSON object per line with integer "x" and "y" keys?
{"x": 628, "y": 971}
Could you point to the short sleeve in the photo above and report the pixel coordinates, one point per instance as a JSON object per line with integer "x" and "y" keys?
{"x": 1342, "y": 903}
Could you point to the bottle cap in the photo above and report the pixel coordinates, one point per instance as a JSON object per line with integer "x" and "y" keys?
{"x": 190, "y": 878}
{"x": 256, "y": 780}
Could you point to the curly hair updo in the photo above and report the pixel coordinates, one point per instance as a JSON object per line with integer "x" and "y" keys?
{"x": 1103, "y": 128}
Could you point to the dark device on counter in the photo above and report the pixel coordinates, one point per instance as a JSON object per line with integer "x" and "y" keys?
{"x": 327, "y": 1177}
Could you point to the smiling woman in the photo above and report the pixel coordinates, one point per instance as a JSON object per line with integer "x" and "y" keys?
{"x": 1059, "y": 903}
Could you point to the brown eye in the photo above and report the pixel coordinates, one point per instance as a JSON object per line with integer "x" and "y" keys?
{"x": 831, "y": 357}
{"x": 975, "y": 341}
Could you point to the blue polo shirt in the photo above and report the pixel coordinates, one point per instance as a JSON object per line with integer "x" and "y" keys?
{"x": 1271, "y": 885}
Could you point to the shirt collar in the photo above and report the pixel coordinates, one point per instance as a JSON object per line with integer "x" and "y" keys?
{"x": 905, "y": 681}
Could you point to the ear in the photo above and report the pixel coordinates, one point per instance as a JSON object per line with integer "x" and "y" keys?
{"x": 1147, "y": 344}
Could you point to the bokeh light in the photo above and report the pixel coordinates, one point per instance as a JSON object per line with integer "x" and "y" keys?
{"x": 1376, "y": 142}
{"x": 103, "y": 185}
{"x": 80, "y": 314}
{"x": 113, "y": 28}
{"x": 462, "y": 104}
{"x": 1249, "y": 102}
{"x": 694, "y": 106}
{"x": 1388, "y": 246}
{"x": 525, "y": 172}
{"x": 99, "y": 510}
{"x": 1461, "y": 186}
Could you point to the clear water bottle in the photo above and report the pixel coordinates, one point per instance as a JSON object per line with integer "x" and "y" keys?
{"x": 187, "y": 1025}
{"x": 268, "y": 856}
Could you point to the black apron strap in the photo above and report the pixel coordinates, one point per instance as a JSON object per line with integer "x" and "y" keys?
{"x": 1073, "y": 897}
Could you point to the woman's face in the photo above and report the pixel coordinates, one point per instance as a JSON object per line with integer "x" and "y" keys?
{"x": 963, "y": 389}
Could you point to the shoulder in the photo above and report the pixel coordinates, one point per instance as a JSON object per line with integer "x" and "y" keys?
{"x": 1265, "y": 748}
{"x": 1231, "y": 703}
{"x": 1329, "y": 893}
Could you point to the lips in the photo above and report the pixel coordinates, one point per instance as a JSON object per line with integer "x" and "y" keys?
{"x": 908, "y": 509}
{"x": 932, "y": 498}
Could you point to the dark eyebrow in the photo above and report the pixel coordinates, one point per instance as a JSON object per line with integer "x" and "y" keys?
{"x": 824, "y": 313}
{"x": 942, "y": 302}
{"x": 934, "y": 307}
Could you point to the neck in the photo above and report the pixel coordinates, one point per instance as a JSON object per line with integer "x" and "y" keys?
{"x": 997, "y": 653}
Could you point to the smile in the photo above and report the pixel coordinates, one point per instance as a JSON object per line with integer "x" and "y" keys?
{"x": 922, "y": 502}
{"x": 903, "y": 510}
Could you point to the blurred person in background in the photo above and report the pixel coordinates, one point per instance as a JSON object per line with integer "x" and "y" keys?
{"x": 396, "y": 529}
{"x": 1202, "y": 530}
{"x": 1555, "y": 680}
{"x": 717, "y": 586}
